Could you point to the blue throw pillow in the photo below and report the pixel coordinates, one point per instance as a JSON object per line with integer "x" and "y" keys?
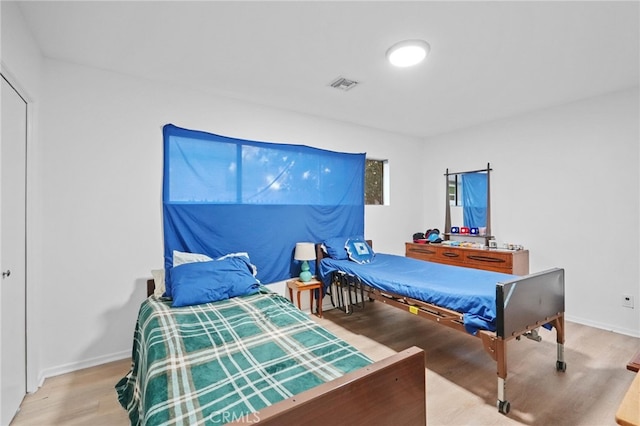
{"x": 243, "y": 278}
{"x": 358, "y": 250}
{"x": 336, "y": 248}
{"x": 204, "y": 282}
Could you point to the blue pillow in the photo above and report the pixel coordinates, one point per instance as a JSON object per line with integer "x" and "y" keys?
{"x": 358, "y": 250}
{"x": 336, "y": 247}
{"x": 243, "y": 281}
{"x": 204, "y": 282}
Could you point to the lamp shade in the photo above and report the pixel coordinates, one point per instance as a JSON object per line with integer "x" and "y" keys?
{"x": 305, "y": 251}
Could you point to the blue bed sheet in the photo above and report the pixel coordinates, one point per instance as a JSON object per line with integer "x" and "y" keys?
{"x": 471, "y": 292}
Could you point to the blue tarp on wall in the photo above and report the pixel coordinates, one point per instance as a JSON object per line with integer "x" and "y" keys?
{"x": 474, "y": 199}
{"x": 223, "y": 195}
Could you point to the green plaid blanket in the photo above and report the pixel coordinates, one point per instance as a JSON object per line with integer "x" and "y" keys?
{"x": 219, "y": 362}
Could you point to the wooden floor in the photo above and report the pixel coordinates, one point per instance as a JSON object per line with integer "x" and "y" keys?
{"x": 84, "y": 397}
{"x": 461, "y": 377}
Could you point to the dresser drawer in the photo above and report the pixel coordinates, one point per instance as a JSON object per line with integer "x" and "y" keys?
{"x": 489, "y": 260}
{"x": 421, "y": 252}
{"x": 450, "y": 256}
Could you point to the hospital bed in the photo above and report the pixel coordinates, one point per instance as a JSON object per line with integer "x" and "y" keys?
{"x": 495, "y": 307}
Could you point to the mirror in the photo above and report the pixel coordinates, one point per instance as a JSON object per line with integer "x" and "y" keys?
{"x": 468, "y": 202}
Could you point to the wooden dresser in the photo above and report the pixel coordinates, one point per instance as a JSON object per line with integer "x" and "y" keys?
{"x": 507, "y": 261}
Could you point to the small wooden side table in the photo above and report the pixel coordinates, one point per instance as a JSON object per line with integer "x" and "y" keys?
{"x": 628, "y": 413}
{"x": 300, "y": 286}
{"x": 634, "y": 363}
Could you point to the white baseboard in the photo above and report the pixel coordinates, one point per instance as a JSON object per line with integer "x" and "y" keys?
{"x": 79, "y": 365}
{"x": 602, "y": 326}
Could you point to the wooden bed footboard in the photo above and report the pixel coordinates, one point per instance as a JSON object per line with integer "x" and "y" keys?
{"x": 390, "y": 391}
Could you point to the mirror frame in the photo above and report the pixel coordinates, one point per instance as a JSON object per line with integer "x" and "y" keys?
{"x": 447, "y": 217}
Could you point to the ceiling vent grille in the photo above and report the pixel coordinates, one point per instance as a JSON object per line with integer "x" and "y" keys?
{"x": 343, "y": 83}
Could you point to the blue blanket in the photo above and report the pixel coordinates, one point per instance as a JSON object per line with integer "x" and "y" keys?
{"x": 471, "y": 292}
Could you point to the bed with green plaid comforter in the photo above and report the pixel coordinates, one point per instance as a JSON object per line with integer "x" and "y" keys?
{"x": 219, "y": 362}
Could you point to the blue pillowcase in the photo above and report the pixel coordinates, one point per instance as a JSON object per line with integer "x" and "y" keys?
{"x": 336, "y": 247}
{"x": 359, "y": 251}
{"x": 204, "y": 282}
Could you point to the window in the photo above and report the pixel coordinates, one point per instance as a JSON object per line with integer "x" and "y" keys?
{"x": 376, "y": 182}
{"x": 221, "y": 170}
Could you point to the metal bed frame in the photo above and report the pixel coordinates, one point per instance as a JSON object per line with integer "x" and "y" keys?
{"x": 344, "y": 292}
{"x": 523, "y": 305}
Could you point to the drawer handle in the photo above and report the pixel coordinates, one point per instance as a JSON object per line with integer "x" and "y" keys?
{"x": 449, "y": 254}
{"x": 423, "y": 251}
{"x": 486, "y": 259}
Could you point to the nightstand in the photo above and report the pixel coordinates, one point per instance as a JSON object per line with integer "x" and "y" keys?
{"x": 300, "y": 286}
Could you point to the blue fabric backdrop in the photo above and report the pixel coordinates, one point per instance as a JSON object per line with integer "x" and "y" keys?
{"x": 224, "y": 195}
{"x": 474, "y": 199}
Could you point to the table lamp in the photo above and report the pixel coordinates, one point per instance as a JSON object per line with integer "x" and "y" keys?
{"x": 305, "y": 252}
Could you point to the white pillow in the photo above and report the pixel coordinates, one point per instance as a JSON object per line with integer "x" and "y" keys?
{"x": 238, "y": 254}
{"x": 180, "y": 258}
{"x": 158, "y": 279}
{"x": 241, "y": 254}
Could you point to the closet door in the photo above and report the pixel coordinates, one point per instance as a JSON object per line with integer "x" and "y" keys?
{"x": 12, "y": 251}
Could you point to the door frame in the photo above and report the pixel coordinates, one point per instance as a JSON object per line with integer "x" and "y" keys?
{"x": 33, "y": 242}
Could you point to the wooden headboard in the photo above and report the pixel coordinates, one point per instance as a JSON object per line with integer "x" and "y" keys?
{"x": 151, "y": 286}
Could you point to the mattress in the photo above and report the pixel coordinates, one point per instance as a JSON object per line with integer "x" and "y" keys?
{"x": 471, "y": 292}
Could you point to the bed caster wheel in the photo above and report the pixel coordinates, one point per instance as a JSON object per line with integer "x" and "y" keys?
{"x": 561, "y": 366}
{"x": 504, "y": 407}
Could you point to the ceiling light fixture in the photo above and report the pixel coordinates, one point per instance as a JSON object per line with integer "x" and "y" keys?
{"x": 408, "y": 52}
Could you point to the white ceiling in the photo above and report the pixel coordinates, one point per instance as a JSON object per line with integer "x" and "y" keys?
{"x": 488, "y": 59}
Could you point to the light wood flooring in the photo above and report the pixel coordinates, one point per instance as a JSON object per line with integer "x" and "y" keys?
{"x": 461, "y": 377}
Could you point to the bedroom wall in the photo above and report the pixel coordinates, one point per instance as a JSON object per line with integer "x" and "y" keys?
{"x": 102, "y": 176}
{"x": 565, "y": 184}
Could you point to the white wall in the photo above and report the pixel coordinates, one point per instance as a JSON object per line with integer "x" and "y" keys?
{"x": 102, "y": 176}
{"x": 565, "y": 184}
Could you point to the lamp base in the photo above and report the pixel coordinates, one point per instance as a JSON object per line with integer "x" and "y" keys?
{"x": 305, "y": 275}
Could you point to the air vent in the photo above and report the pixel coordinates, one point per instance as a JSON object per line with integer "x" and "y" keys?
{"x": 344, "y": 83}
